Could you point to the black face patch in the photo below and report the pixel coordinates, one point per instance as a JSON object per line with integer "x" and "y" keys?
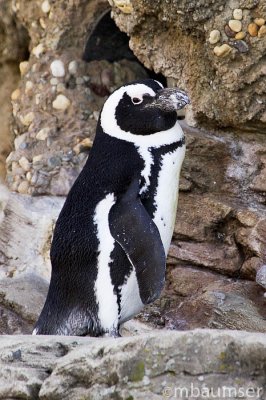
{"x": 137, "y": 118}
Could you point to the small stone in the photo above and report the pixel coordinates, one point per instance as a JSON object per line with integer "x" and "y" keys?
{"x": 37, "y": 159}
{"x": 24, "y": 163}
{"x": 238, "y": 14}
{"x": 27, "y": 119}
{"x": 215, "y": 36}
{"x": 28, "y": 87}
{"x": 23, "y": 67}
{"x": 229, "y": 32}
{"x": 43, "y": 134}
{"x": 124, "y": 5}
{"x": 54, "y": 81}
{"x": 37, "y": 99}
{"x": 259, "y": 21}
{"x": 28, "y": 176}
{"x": 240, "y": 35}
{"x": 23, "y": 187}
{"x": 84, "y": 145}
{"x": 38, "y": 50}
{"x": 53, "y": 162}
{"x": 15, "y": 95}
{"x": 222, "y": 51}
{"x": 261, "y": 276}
{"x": 73, "y": 67}
{"x": 96, "y": 115}
{"x": 45, "y": 6}
{"x": 60, "y": 87}
{"x": 61, "y": 102}
{"x": 253, "y": 29}
{"x": 42, "y": 23}
{"x": 235, "y": 25}
{"x": 19, "y": 141}
{"x": 240, "y": 45}
{"x": 262, "y": 31}
{"x": 57, "y": 68}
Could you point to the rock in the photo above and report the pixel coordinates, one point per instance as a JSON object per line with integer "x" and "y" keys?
{"x": 259, "y": 21}
{"x": 262, "y": 31}
{"x": 24, "y": 163}
{"x": 73, "y": 67}
{"x": 240, "y": 45}
{"x": 84, "y": 145}
{"x": 149, "y": 366}
{"x": 124, "y": 5}
{"x": 45, "y": 6}
{"x": 61, "y": 102}
{"x": 15, "y": 95}
{"x": 38, "y": 50}
{"x": 253, "y": 29}
{"x": 223, "y": 50}
{"x": 57, "y": 68}
{"x": 238, "y": 13}
{"x": 28, "y": 118}
{"x": 43, "y": 134}
{"x": 29, "y": 87}
{"x": 229, "y": 32}
{"x": 215, "y": 36}
{"x": 240, "y": 35}
{"x": 23, "y": 187}
{"x": 235, "y": 25}
{"x": 23, "y": 67}
{"x": 261, "y": 276}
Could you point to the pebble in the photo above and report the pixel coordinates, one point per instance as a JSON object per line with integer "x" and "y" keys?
{"x": 61, "y": 102}
{"x": 84, "y": 145}
{"x": 45, "y": 6}
{"x": 27, "y": 119}
{"x": 262, "y": 31}
{"x": 28, "y": 176}
{"x": 223, "y": 50}
{"x": 23, "y": 67}
{"x": 57, "y": 68}
{"x": 259, "y": 21}
{"x": 235, "y": 25}
{"x": 28, "y": 87}
{"x": 60, "y": 87}
{"x": 240, "y": 35}
{"x": 215, "y": 36}
{"x": 229, "y": 32}
{"x": 43, "y": 134}
{"x": 38, "y": 50}
{"x": 54, "y": 81}
{"x": 23, "y": 187}
{"x": 96, "y": 115}
{"x": 261, "y": 276}
{"x": 42, "y": 23}
{"x": 124, "y": 5}
{"x": 37, "y": 159}
{"x": 37, "y": 99}
{"x": 15, "y": 95}
{"x": 53, "y": 162}
{"x": 19, "y": 141}
{"x": 73, "y": 67}
{"x": 240, "y": 45}
{"x": 253, "y": 29}
{"x": 238, "y": 13}
{"x": 24, "y": 163}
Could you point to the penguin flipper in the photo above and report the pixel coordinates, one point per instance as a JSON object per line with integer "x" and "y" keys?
{"x": 132, "y": 227}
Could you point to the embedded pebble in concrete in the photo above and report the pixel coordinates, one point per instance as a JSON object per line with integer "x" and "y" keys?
{"x": 222, "y": 51}
{"x": 38, "y": 50}
{"x": 229, "y": 32}
{"x": 259, "y": 21}
{"x": 235, "y": 25}
{"x": 124, "y": 5}
{"x": 262, "y": 31}
{"x": 15, "y": 95}
{"x": 23, "y": 67}
{"x": 43, "y": 134}
{"x": 23, "y": 187}
{"x": 215, "y": 36}
{"x": 73, "y": 67}
{"x": 54, "y": 81}
{"x": 46, "y": 6}
{"x": 29, "y": 87}
{"x": 57, "y": 68}
{"x": 24, "y": 163}
{"x": 60, "y": 87}
{"x": 27, "y": 119}
{"x": 61, "y": 102}
{"x": 240, "y": 45}
{"x": 253, "y": 29}
{"x": 261, "y": 276}
{"x": 240, "y": 35}
{"x": 238, "y": 14}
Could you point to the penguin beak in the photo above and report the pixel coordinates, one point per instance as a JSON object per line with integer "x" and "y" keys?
{"x": 170, "y": 99}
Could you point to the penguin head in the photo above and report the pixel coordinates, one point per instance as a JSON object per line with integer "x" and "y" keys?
{"x": 141, "y": 108}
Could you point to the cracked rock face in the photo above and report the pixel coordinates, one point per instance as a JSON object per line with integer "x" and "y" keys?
{"x": 223, "y": 74}
{"x": 152, "y": 366}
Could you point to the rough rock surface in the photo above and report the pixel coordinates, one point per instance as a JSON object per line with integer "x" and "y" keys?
{"x": 228, "y": 89}
{"x": 152, "y": 366}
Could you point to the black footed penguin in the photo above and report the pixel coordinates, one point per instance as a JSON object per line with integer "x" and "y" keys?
{"x": 112, "y": 236}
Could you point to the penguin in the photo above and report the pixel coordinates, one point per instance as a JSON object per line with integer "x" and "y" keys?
{"x": 111, "y": 239}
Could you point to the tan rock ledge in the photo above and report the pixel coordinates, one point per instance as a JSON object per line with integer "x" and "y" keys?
{"x": 147, "y": 366}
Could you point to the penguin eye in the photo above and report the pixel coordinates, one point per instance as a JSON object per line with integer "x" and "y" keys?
{"x": 137, "y": 100}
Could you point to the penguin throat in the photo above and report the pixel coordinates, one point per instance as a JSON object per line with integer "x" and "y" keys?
{"x": 147, "y": 157}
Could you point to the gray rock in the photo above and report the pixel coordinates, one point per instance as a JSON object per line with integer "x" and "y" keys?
{"x": 150, "y": 366}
